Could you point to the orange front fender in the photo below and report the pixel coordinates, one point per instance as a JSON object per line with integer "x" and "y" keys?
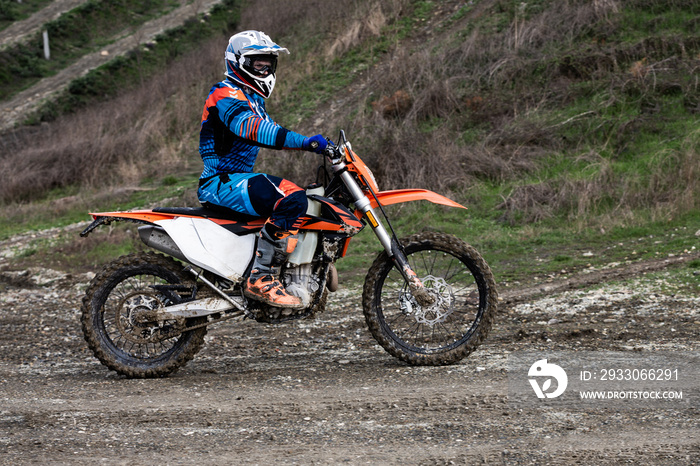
{"x": 405, "y": 195}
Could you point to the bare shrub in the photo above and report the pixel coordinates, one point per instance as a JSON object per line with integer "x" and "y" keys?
{"x": 367, "y": 22}
{"x": 402, "y": 157}
{"x": 416, "y": 160}
{"x": 278, "y": 19}
{"x": 344, "y": 25}
{"x": 673, "y": 184}
{"x": 562, "y": 23}
{"x": 605, "y": 7}
{"x": 529, "y": 203}
{"x": 456, "y": 84}
{"x": 394, "y": 106}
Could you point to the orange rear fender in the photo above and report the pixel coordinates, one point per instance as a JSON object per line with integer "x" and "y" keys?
{"x": 142, "y": 215}
{"x": 149, "y": 216}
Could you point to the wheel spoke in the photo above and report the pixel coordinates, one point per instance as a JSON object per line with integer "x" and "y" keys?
{"x": 131, "y": 296}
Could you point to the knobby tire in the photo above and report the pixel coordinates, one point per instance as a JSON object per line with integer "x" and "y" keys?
{"x": 467, "y": 283}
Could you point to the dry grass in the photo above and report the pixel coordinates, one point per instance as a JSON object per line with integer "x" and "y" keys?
{"x": 341, "y": 26}
{"x": 670, "y": 186}
{"x": 119, "y": 141}
{"x": 472, "y": 83}
{"x": 493, "y": 85}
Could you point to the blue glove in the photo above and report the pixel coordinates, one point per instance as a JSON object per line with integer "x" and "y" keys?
{"x": 315, "y": 144}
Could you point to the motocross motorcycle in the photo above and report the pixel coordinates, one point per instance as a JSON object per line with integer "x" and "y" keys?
{"x": 428, "y": 299}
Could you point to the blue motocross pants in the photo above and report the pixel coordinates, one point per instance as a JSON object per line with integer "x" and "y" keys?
{"x": 258, "y": 195}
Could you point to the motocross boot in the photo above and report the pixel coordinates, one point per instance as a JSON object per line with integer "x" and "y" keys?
{"x": 263, "y": 284}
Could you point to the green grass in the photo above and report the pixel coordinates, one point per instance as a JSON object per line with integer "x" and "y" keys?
{"x": 519, "y": 254}
{"x": 328, "y": 79}
{"x": 325, "y": 81}
{"x": 640, "y": 24}
{"x": 71, "y": 253}
{"x": 12, "y": 11}
{"x": 68, "y": 206}
{"x": 522, "y": 254}
{"x": 682, "y": 281}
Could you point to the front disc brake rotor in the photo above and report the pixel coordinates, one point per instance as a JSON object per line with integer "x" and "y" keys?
{"x": 437, "y": 312}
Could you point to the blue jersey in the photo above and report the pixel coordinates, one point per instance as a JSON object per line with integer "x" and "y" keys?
{"x": 235, "y": 125}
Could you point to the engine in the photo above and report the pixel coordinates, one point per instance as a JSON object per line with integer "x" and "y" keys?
{"x": 302, "y": 282}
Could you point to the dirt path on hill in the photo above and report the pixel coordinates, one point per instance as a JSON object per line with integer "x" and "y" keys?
{"x": 29, "y": 100}
{"x": 18, "y": 30}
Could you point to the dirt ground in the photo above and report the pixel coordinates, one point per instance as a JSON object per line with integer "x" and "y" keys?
{"x": 322, "y": 392}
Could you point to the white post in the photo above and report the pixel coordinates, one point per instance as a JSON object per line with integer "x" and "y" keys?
{"x": 47, "y": 52}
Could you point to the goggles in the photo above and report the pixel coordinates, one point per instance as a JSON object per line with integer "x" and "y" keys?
{"x": 261, "y": 65}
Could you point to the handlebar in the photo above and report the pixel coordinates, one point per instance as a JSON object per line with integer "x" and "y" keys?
{"x": 332, "y": 150}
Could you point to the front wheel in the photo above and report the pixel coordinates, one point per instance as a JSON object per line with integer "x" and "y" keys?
{"x": 457, "y": 322}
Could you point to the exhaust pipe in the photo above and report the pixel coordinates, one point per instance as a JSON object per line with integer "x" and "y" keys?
{"x": 156, "y": 237}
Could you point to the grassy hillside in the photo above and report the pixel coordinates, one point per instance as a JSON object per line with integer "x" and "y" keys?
{"x": 72, "y": 35}
{"x": 562, "y": 125}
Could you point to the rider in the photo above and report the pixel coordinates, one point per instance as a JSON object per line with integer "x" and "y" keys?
{"x": 235, "y": 125}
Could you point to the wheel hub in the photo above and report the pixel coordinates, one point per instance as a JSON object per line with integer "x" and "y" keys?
{"x": 138, "y": 318}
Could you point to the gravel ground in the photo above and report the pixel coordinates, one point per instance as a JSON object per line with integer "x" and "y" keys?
{"x": 322, "y": 392}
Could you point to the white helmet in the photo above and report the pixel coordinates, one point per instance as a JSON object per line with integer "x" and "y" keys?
{"x": 244, "y": 49}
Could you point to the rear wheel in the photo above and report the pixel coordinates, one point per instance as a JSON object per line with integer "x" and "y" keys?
{"x": 119, "y": 317}
{"x": 464, "y": 293}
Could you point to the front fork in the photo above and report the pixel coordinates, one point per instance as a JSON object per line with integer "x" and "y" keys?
{"x": 391, "y": 245}
{"x": 415, "y": 284}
